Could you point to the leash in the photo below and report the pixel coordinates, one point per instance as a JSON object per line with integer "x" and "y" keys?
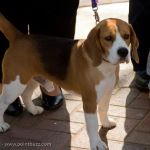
{"x": 95, "y": 9}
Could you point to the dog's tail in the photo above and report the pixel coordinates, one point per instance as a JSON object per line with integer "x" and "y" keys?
{"x": 8, "y": 29}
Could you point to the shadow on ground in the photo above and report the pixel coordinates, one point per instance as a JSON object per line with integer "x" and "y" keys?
{"x": 48, "y": 131}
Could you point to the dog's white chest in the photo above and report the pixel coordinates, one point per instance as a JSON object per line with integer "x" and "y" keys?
{"x": 108, "y": 82}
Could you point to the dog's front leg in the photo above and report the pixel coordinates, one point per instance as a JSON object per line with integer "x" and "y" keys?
{"x": 9, "y": 93}
{"x": 104, "y": 92}
{"x": 92, "y": 129}
{"x": 90, "y": 112}
{"x": 103, "y": 111}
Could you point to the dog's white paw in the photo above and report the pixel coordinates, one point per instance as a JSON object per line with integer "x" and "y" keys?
{"x": 109, "y": 124}
{"x": 100, "y": 145}
{"x": 36, "y": 110}
{"x": 4, "y": 127}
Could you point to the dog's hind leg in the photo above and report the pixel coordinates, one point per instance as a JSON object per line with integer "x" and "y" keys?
{"x": 27, "y": 95}
{"x": 9, "y": 93}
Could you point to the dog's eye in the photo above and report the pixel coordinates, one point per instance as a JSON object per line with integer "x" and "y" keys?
{"x": 126, "y": 36}
{"x": 109, "y": 38}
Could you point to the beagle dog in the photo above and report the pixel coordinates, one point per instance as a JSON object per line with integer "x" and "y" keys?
{"x": 88, "y": 67}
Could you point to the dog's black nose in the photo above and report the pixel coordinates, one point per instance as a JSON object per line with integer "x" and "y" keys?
{"x": 122, "y": 52}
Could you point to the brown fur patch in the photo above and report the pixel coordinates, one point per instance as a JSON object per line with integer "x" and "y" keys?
{"x": 21, "y": 59}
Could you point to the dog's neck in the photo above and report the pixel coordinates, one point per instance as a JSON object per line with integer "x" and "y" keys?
{"x": 106, "y": 60}
{"x": 8, "y": 29}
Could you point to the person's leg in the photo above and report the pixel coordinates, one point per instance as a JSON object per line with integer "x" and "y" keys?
{"x": 13, "y": 12}
{"x": 138, "y": 17}
{"x": 57, "y": 19}
{"x": 15, "y": 108}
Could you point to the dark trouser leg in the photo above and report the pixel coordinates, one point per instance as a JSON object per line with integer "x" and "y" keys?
{"x": 11, "y": 11}
{"x": 61, "y": 23}
{"x": 15, "y": 108}
{"x": 54, "y": 19}
{"x": 59, "y": 20}
{"x": 3, "y": 47}
{"x": 139, "y": 12}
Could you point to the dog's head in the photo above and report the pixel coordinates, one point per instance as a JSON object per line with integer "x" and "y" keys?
{"x": 110, "y": 40}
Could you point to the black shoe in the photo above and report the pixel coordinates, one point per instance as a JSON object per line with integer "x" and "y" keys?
{"x": 142, "y": 81}
{"x": 52, "y": 102}
{"x": 15, "y": 108}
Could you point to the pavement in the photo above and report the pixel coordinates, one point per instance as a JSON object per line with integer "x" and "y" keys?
{"x": 64, "y": 129}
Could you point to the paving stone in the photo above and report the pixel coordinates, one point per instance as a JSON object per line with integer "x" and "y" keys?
{"x": 132, "y": 146}
{"x": 63, "y": 113}
{"x": 141, "y": 101}
{"x": 76, "y": 148}
{"x": 144, "y": 126}
{"x": 124, "y": 97}
{"x": 139, "y": 138}
{"x": 72, "y": 105}
{"x": 10, "y": 119}
{"x": 70, "y": 96}
{"x": 59, "y": 126}
{"x": 77, "y": 117}
{"x": 56, "y": 139}
{"x": 123, "y": 128}
{"x": 127, "y": 112}
{"x": 23, "y": 144}
{"x": 115, "y": 145}
{"x": 81, "y": 140}
{"x": 80, "y": 108}
{"x": 119, "y": 133}
{"x": 26, "y": 120}
{"x": 114, "y": 111}
{"x": 116, "y": 89}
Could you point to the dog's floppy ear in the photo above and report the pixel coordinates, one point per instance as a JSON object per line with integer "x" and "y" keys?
{"x": 134, "y": 45}
{"x": 93, "y": 46}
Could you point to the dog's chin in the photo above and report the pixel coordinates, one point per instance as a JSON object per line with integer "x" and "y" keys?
{"x": 119, "y": 61}
{"x": 123, "y": 60}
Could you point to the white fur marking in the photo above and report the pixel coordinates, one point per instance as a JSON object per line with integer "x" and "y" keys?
{"x": 113, "y": 57}
{"x": 104, "y": 91}
{"x": 48, "y": 85}
{"x": 108, "y": 83}
{"x": 92, "y": 129}
{"x": 13, "y": 88}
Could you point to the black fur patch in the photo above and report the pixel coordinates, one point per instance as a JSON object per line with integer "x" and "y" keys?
{"x": 4, "y": 43}
{"x": 55, "y": 54}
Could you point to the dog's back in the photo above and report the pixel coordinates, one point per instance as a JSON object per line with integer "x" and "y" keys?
{"x": 54, "y": 54}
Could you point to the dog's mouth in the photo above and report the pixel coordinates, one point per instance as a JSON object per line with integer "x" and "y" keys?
{"x": 123, "y": 60}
